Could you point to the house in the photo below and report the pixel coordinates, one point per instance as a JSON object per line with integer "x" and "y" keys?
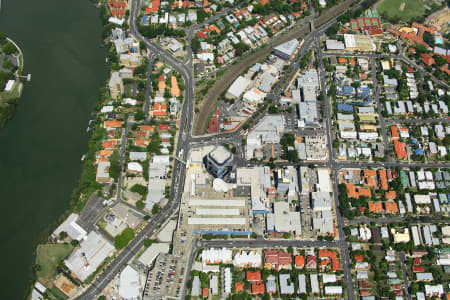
{"x": 335, "y": 264}
{"x": 239, "y": 286}
{"x": 271, "y": 285}
{"x": 401, "y": 235}
{"x": 159, "y": 110}
{"x": 286, "y": 285}
{"x": 299, "y": 261}
{"x": 258, "y": 289}
{"x": 400, "y": 149}
{"x": 311, "y": 262}
{"x": 254, "y": 277}
{"x": 427, "y": 59}
{"x": 333, "y": 290}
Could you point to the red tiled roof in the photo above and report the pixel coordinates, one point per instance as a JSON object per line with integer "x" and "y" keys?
{"x": 394, "y": 132}
{"x": 254, "y": 276}
{"x": 258, "y": 289}
{"x": 163, "y": 127}
{"x": 201, "y": 35}
{"x": 112, "y": 124}
{"x": 427, "y": 59}
{"x": 239, "y": 286}
{"x": 400, "y": 149}
{"x": 284, "y": 258}
{"x": 311, "y": 261}
{"x": 391, "y": 195}
{"x": 376, "y": 207}
{"x": 359, "y": 258}
{"x": 299, "y": 261}
{"x": 418, "y": 269}
{"x": 391, "y": 207}
{"x": 333, "y": 255}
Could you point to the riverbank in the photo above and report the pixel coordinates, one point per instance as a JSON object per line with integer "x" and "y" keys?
{"x": 11, "y": 83}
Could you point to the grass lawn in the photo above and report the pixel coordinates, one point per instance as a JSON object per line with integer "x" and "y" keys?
{"x": 48, "y": 256}
{"x": 14, "y": 94}
{"x": 401, "y": 10}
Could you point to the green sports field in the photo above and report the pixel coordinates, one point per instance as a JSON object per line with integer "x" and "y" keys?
{"x": 401, "y": 10}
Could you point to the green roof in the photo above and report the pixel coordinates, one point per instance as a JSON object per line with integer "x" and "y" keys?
{"x": 375, "y": 13}
{"x": 361, "y": 22}
{"x": 354, "y": 25}
{"x": 404, "y": 179}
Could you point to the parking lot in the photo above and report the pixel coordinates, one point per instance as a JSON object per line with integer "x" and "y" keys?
{"x": 166, "y": 278}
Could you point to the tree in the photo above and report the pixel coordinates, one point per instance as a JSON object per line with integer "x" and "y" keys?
{"x": 428, "y": 38}
{"x": 140, "y": 205}
{"x": 156, "y": 209}
{"x": 9, "y": 48}
{"x": 254, "y": 235}
{"x": 114, "y": 169}
{"x": 139, "y": 188}
{"x": 241, "y": 48}
{"x": 287, "y": 235}
{"x": 273, "y": 109}
{"x": 74, "y": 243}
{"x": 139, "y": 115}
{"x": 62, "y": 235}
{"x": 148, "y": 243}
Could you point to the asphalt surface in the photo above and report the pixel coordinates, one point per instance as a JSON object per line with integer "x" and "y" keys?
{"x": 405, "y": 274}
{"x": 151, "y": 59}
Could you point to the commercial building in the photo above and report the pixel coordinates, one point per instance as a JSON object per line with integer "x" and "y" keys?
{"x": 157, "y": 180}
{"x": 152, "y": 252}
{"x": 286, "y": 220}
{"x": 92, "y": 252}
{"x": 219, "y": 162}
{"x": 286, "y": 50}
{"x": 129, "y": 284}
{"x": 267, "y": 131}
{"x": 71, "y": 227}
{"x": 238, "y": 87}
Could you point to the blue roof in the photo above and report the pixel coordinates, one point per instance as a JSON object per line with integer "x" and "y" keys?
{"x": 256, "y": 67}
{"x": 346, "y": 90}
{"x": 345, "y": 107}
{"x": 418, "y": 151}
{"x": 414, "y": 141}
{"x": 260, "y": 212}
{"x": 364, "y": 91}
{"x": 145, "y": 20}
{"x": 368, "y": 101}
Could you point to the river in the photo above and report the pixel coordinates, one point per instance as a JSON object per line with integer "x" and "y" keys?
{"x": 40, "y": 149}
